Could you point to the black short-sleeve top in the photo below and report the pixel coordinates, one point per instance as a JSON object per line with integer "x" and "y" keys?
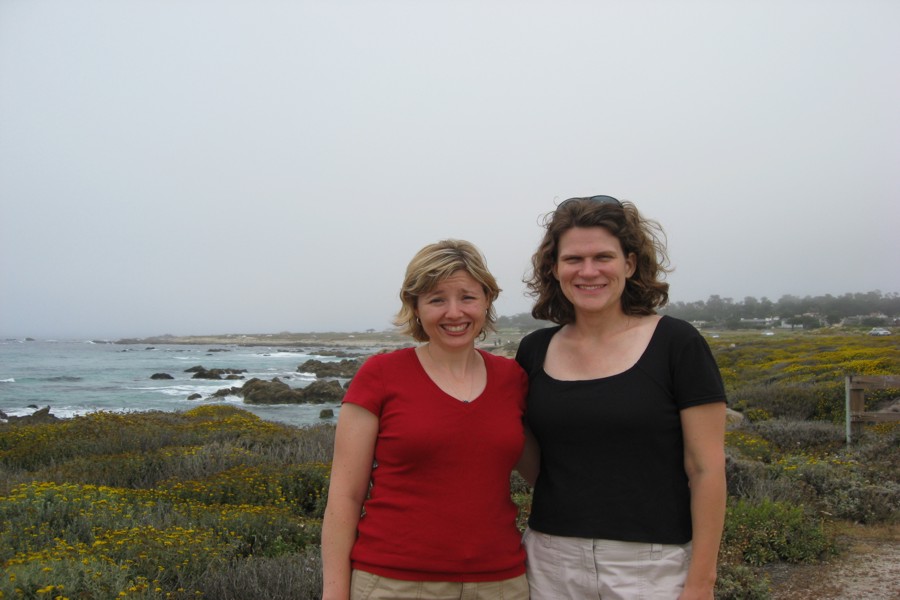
{"x": 612, "y": 452}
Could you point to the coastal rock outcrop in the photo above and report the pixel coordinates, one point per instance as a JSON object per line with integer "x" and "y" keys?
{"x": 161, "y": 376}
{"x": 201, "y": 372}
{"x": 40, "y": 416}
{"x": 344, "y": 368}
{"x": 259, "y": 391}
{"x": 319, "y": 392}
{"x": 224, "y": 392}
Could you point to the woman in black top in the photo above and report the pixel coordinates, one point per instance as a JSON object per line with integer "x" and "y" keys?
{"x": 627, "y": 410}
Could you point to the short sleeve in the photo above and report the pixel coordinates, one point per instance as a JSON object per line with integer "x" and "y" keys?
{"x": 367, "y": 388}
{"x": 695, "y": 373}
{"x": 533, "y": 348}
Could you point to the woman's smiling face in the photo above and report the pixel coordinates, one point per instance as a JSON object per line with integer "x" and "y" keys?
{"x": 592, "y": 269}
{"x": 454, "y": 312}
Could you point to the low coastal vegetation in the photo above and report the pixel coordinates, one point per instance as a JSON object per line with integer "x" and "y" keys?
{"x": 212, "y": 503}
{"x": 216, "y": 503}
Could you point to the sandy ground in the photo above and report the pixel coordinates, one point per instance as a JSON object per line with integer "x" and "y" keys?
{"x": 867, "y": 569}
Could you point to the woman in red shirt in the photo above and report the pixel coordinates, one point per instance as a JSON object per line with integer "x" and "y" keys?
{"x": 419, "y": 503}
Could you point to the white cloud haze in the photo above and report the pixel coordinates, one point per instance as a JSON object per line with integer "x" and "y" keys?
{"x": 226, "y": 166}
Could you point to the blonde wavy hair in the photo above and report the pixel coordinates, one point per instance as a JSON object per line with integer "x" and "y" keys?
{"x": 433, "y": 264}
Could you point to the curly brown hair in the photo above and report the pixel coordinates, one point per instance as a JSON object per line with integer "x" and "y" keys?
{"x": 645, "y": 290}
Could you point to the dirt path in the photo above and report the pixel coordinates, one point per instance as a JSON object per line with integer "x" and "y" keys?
{"x": 867, "y": 569}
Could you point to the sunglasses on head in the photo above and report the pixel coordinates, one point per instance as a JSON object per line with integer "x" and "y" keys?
{"x": 605, "y": 200}
{"x": 598, "y": 199}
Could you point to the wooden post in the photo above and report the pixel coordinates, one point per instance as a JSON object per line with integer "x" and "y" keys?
{"x": 848, "y": 430}
{"x": 855, "y": 405}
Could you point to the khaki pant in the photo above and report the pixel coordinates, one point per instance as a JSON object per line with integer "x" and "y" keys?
{"x": 569, "y": 568}
{"x": 366, "y": 586}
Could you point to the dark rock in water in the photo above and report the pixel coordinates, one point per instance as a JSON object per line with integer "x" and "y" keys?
{"x": 233, "y": 376}
{"x": 196, "y": 369}
{"x": 34, "y": 406}
{"x": 223, "y": 392}
{"x": 215, "y": 373}
{"x": 195, "y": 397}
{"x": 218, "y": 350}
{"x": 258, "y": 391}
{"x": 206, "y": 375}
{"x": 326, "y": 413}
{"x": 161, "y": 376}
{"x": 346, "y": 367}
{"x": 39, "y": 416}
{"x": 337, "y": 353}
{"x": 319, "y": 392}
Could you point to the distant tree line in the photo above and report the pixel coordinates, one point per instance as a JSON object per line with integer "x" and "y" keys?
{"x": 872, "y": 309}
{"x": 523, "y": 322}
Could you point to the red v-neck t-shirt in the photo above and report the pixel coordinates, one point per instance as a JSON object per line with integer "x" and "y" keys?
{"x": 439, "y": 508}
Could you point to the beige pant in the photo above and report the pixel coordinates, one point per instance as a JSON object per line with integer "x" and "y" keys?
{"x": 366, "y": 586}
{"x": 569, "y": 568}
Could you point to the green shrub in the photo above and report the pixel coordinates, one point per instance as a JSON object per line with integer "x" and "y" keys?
{"x": 229, "y": 506}
{"x": 841, "y": 487}
{"x": 754, "y": 481}
{"x": 797, "y": 401}
{"x": 739, "y": 582}
{"x": 159, "y": 504}
{"x": 876, "y": 451}
{"x": 749, "y": 444}
{"x": 866, "y": 502}
{"x": 289, "y": 577}
{"x": 88, "y": 578}
{"x": 757, "y": 414}
{"x": 809, "y": 437}
{"x": 765, "y": 532}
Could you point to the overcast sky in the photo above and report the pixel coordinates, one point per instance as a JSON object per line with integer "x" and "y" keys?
{"x": 215, "y": 166}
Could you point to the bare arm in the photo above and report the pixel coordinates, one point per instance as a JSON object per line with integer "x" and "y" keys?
{"x": 530, "y": 462}
{"x": 704, "y": 462}
{"x": 354, "y": 450}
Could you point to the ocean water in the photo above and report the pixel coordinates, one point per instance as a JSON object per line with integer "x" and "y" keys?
{"x": 78, "y": 377}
